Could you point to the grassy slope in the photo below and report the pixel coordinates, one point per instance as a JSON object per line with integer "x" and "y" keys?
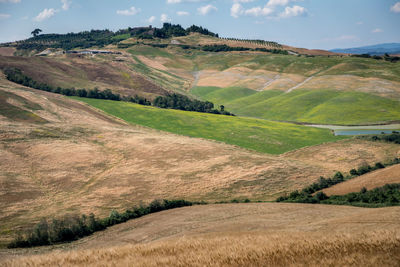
{"x": 222, "y": 95}
{"x": 316, "y": 106}
{"x": 260, "y": 135}
{"x": 321, "y": 105}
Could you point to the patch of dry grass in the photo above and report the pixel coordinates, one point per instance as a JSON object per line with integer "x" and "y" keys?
{"x": 259, "y": 234}
{"x": 83, "y": 161}
{"x": 378, "y": 178}
{"x": 255, "y": 249}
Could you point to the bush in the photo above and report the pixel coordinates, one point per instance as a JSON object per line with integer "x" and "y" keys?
{"x": 181, "y": 102}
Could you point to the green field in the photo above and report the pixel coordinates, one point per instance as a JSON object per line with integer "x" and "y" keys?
{"x": 256, "y": 134}
{"x": 312, "y": 106}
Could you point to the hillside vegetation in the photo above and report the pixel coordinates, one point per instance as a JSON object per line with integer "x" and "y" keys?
{"x": 313, "y": 106}
{"x": 260, "y": 135}
{"x": 249, "y": 81}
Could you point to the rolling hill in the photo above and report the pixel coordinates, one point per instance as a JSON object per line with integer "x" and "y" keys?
{"x": 379, "y": 178}
{"x": 310, "y": 106}
{"x": 378, "y": 49}
{"x": 237, "y": 234}
{"x": 254, "y": 83}
{"x": 64, "y": 156}
{"x": 71, "y": 158}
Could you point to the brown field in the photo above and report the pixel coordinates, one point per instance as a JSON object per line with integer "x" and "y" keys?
{"x": 7, "y": 51}
{"x": 197, "y": 39}
{"x": 85, "y": 72}
{"x": 258, "y": 234}
{"x": 82, "y": 161}
{"x": 313, "y": 52}
{"x": 378, "y": 178}
{"x": 384, "y": 88}
{"x": 253, "y": 79}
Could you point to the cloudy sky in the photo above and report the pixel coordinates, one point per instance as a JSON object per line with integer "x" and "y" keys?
{"x": 322, "y": 24}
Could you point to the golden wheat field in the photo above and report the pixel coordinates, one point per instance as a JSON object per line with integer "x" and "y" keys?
{"x": 259, "y": 234}
{"x": 379, "y": 248}
{"x": 390, "y": 175}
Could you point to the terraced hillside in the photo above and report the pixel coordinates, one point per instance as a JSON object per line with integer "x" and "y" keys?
{"x": 61, "y": 156}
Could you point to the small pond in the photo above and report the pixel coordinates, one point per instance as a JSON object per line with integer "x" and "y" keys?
{"x": 360, "y": 130}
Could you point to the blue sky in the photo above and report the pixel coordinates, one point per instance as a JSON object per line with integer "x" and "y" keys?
{"x": 324, "y": 24}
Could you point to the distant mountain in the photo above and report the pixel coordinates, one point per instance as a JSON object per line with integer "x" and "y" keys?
{"x": 378, "y": 49}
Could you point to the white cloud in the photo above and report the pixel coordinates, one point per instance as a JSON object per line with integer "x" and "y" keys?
{"x": 236, "y": 10}
{"x": 151, "y": 19}
{"x": 360, "y": 23}
{"x": 45, "y": 14}
{"x": 294, "y": 11}
{"x": 129, "y": 12}
{"x": 182, "y": 13}
{"x": 279, "y": 2}
{"x": 377, "y": 30}
{"x": 395, "y": 8}
{"x": 10, "y": 1}
{"x": 164, "y": 18}
{"x": 259, "y": 11}
{"x": 204, "y": 10}
{"x": 66, "y": 4}
{"x": 4, "y": 16}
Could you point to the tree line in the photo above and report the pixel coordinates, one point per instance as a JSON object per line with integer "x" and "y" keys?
{"x": 74, "y": 227}
{"x": 181, "y": 102}
{"x": 16, "y": 75}
{"x": 174, "y": 30}
{"x": 101, "y": 38}
{"x": 385, "y": 57}
{"x": 173, "y": 101}
{"x": 305, "y": 195}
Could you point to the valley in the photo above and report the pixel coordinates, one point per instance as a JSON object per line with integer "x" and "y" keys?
{"x": 64, "y": 154}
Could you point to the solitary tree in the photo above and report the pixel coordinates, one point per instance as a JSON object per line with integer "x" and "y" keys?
{"x": 36, "y": 32}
